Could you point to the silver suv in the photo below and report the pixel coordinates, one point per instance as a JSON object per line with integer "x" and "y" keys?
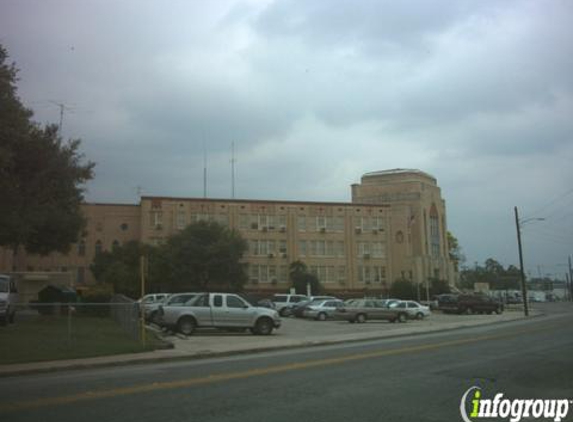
{"x": 285, "y": 301}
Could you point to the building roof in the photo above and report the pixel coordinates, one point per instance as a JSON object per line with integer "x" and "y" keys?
{"x": 398, "y": 171}
{"x": 263, "y": 201}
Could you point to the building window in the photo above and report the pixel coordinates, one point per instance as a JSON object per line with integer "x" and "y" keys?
{"x": 341, "y": 274}
{"x": 81, "y": 275}
{"x": 434, "y": 231}
{"x": 115, "y": 245}
{"x": 283, "y": 273}
{"x": 82, "y": 248}
{"x": 263, "y": 273}
{"x": 320, "y": 223}
{"x": 181, "y": 220}
{"x": 124, "y": 226}
{"x": 339, "y": 224}
{"x": 156, "y": 219}
{"x": 98, "y": 247}
{"x": 378, "y": 250}
{"x": 301, "y": 223}
{"x": 243, "y": 221}
{"x": 302, "y": 247}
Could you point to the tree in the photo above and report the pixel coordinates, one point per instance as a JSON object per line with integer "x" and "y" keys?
{"x": 207, "y": 256}
{"x": 455, "y": 251}
{"x": 403, "y": 289}
{"x": 41, "y": 177}
{"x": 300, "y": 277}
{"x": 120, "y": 268}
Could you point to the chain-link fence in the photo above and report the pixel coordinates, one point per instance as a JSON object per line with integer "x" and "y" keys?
{"x": 49, "y": 331}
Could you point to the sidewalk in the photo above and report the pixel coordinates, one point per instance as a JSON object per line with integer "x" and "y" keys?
{"x": 294, "y": 333}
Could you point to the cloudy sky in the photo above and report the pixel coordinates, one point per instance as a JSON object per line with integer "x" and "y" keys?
{"x": 314, "y": 93}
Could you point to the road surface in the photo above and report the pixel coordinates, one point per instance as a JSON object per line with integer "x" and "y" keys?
{"x": 421, "y": 378}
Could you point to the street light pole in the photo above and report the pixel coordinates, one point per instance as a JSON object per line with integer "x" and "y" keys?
{"x": 523, "y": 285}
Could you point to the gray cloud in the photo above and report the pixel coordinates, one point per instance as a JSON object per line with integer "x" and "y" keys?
{"x": 314, "y": 94}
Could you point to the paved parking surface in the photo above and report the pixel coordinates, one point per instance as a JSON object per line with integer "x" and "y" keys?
{"x": 301, "y": 332}
{"x": 293, "y": 333}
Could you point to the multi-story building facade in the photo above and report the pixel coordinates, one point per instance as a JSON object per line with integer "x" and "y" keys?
{"x": 395, "y": 227}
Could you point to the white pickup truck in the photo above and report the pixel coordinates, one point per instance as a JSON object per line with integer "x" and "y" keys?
{"x": 219, "y": 310}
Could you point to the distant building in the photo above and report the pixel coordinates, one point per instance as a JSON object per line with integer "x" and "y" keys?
{"x": 395, "y": 227}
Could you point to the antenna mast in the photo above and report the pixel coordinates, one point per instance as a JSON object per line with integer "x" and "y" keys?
{"x": 233, "y": 161}
{"x": 204, "y": 171}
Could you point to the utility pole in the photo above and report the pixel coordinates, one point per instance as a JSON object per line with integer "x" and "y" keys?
{"x": 570, "y": 280}
{"x": 62, "y": 106}
{"x": 523, "y": 285}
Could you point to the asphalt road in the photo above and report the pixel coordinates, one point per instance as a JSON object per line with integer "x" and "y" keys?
{"x": 421, "y": 378}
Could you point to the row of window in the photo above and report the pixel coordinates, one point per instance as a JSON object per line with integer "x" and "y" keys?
{"x": 274, "y": 222}
{"x": 267, "y": 247}
{"x": 367, "y": 274}
{"x": 98, "y": 247}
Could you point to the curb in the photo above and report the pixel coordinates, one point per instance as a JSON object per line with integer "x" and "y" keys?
{"x": 208, "y": 354}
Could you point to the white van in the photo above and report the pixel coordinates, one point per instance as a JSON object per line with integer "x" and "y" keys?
{"x": 8, "y": 299}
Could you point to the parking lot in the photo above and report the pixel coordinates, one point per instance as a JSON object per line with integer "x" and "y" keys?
{"x": 296, "y": 332}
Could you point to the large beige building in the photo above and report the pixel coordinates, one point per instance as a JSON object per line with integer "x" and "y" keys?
{"x": 395, "y": 227}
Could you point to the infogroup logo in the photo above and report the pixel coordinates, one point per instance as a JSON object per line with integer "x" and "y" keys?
{"x": 474, "y": 406}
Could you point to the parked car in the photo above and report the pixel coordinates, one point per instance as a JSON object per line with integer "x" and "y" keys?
{"x": 283, "y": 302}
{"x": 469, "y": 304}
{"x": 265, "y": 303}
{"x": 177, "y": 299}
{"x": 297, "y": 309}
{"x": 361, "y": 310}
{"x": 8, "y": 299}
{"x": 153, "y": 298}
{"x": 219, "y": 310}
{"x": 322, "y": 309}
{"x": 414, "y": 309}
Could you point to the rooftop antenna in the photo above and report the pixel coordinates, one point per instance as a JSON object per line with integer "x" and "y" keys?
{"x": 62, "y": 107}
{"x": 233, "y": 161}
{"x": 204, "y": 171}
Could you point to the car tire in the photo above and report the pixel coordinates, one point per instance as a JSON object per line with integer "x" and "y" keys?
{"x": 3, "y": 321}
{"x": 361, "y": 318}
{"x": 498, "y": 311}
{"x": 321, "y": 316}
{"x": 420, "y": 316}
{"x": 186, "y": 326}
{"x": 264, "y": 326}
{"x": 284, "y": 312}
{"x": 402, "y": 317}
{"x": 12, "y": 318}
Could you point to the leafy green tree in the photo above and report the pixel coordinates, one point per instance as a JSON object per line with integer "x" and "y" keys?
{"x": 120, "y": 267}
{"x": 41, "y": 177}
{"x": 438, "y": 287}
{"x": 207, "y": 256}
{"x": 493, "y": 273}
{"x": 300, "y": 277}
{"x": 455, "y": 251}
{"x": 404, "y": 289}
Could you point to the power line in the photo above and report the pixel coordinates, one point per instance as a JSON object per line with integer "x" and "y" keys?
{"x": 549, "y": 204}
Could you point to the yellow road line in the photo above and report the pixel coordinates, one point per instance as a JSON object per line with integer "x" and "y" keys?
{"x": 168, "y": 385}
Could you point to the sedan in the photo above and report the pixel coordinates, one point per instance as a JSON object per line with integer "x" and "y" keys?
{"x": 361, "y": 310}
{"x": 321, "y": 310}
{"x": 413, "y": 309}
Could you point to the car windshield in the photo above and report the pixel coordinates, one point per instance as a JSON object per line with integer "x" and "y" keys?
{"x": 279, "y": 299}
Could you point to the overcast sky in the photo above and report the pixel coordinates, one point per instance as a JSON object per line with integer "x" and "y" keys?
{"x": 314, "y": 94}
